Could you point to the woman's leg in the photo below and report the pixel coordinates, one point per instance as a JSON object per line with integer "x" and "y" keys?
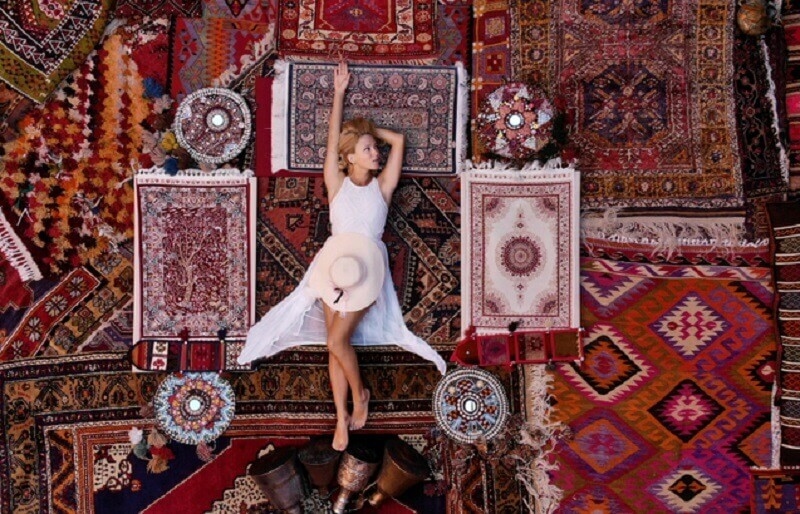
{"x": 339, "y": 388}
{"x": 340, "y": 350}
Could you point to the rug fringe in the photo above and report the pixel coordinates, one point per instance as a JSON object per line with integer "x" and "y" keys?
{"x": 542, "y": 436}
{"x": 462, "y": 116}
{"x": 194, "y": 172}
{"x": 773, "y": 102}
{"x": 12, "y": 248}
{"x": 775, "y": 454}
{"x": 552, "y": 164}
{"x": 668, "y": 234}
{"x": 280, "y": 95}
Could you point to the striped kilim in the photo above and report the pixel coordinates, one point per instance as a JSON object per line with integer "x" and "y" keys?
{"x": 673, "y": 398}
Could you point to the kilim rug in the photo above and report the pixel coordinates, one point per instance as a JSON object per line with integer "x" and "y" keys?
{"x": 663, "y": 110}
{"x": 68, "y": 420}
{"x": 65, "y": 184}
{"x": 774, "y": 491}
{"x": 194, "y": 258}
{"x": 427, "y": 104}
{"x": 212, "y": 52}
{"x": 790, "y": 19}
{"x": 672, "y": 400}
{"x": 520, "y": 246}
{"x": 381, "y": 30}
{"x": 260, "y": 11}
{"x": 44, "y": 41}
{"x": 422, "y": 237}
{"x": 136, "y": 10}
{"x": 785, "y": 245}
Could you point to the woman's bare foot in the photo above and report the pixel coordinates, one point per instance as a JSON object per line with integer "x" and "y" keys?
{"x": 360, "y": 410}
{"x": 341, "y": 436}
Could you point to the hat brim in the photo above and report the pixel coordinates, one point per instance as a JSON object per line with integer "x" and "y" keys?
{"x": 365, "y": 292}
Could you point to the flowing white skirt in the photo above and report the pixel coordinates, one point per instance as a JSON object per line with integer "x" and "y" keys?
{"x": 299, "y": 320}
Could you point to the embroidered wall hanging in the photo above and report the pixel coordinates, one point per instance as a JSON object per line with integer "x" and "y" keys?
{"x": 428, "y": 104}
{"x": 379, "y": 30}
{"x": 44, "y": 41}
{"x": 194, "y": 256}
{"x": 519, "y": 249}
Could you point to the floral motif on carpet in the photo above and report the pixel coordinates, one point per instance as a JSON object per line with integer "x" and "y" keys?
{"x": 785, "y": 244}
{"x": 71, "y": 415}
{"x": 65, "y": 181}
{"x": 520, "y": 247}
{"x": 422, "y": 237}
{"x": 656, "y": 126}
{"x": 44, "y": 41}
{"x": 427, "y": 104}
{"x": 194, "y": 261}
{"x": 673, "y": 397}
{"x": 775, "y": 491}
{"x": 212, "y": 52}
{"x": 381, "y": 30}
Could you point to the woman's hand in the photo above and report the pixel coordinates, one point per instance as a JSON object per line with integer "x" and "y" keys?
{"x": 341, "y": 78}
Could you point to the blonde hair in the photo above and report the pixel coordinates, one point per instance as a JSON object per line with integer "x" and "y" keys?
{"x": 351, "y": 132}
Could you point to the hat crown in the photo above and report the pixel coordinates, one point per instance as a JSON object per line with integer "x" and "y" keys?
{"x": 346, "y": 271}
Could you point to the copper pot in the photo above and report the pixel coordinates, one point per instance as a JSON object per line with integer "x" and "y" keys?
{"x": 356, "y": 468}
{"x": 321, "y": 462}
{"x": 403, "y": 467}
{"x": 277, "y": 475}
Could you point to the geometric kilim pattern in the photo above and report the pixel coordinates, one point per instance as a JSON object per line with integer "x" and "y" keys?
{"x": 775, "y": 491}
{"x": 784, "y": 220}
{"x": 679, "y": 424}
{"x": 654, "y": 126}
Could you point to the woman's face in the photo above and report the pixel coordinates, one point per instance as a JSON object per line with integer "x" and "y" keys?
{"x": 366, "y": 153}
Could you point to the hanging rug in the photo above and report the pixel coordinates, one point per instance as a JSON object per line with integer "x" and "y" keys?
{"x": 470, "y": 405}
{"x": 194, "y": 408}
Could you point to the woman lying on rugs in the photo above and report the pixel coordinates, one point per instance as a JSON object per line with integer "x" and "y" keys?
{"x": 346, "y": 297}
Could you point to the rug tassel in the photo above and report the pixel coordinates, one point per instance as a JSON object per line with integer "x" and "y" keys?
{"x": 205, "y": 452}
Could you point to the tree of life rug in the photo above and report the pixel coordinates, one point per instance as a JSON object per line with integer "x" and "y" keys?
{"x": 194, "y": 259}
{"x": 384, "y": 30}
{"x": 44, "y": 41}
{"x": 673, "y": 399}
{"x": 519, "y": 248}
{"x": 427, "y": 104}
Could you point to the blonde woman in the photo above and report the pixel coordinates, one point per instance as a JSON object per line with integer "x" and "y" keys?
{"x": 347, "y": 297}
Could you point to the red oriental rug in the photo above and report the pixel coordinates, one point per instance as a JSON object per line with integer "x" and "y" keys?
{"x": 673, "y": 398}
{"x": 790, "y": 19}
{"x": 194, "y": 259}
{"x": 398, "y": 30}
{"x": 44, "y": 41}
{"x": 427, "y": 104}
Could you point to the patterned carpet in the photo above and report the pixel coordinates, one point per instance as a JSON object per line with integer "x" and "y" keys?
{"x": 673, "y": 399}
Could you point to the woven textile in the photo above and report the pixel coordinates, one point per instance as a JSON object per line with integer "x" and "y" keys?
{"x": 673, "y": 398}
{"x": 775, "y": 491}
{"x": 785, "y": 236}
{"x": 260, "y": 11}
{"x": 140, "y": 9}
{"x": 44, "y": 41}
{"x": 427, "y": 104}
{"x": 790, "y": 20}
{"x": 211, "y": 52}
{"x": 655, "y": 127}
{"x": 421, "y": 235}
{"x": 520, "y": 245}
{"x": 69, "y": 419}
{"x": 380, "y": 30}
{"x": 194, "y": 260}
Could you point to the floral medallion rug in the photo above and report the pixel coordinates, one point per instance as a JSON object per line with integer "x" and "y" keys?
{"x": 398, "y": 30}
{"x": 427, "y": 104}
{"x": 194, "y": 259}
{"x": 44, "y": 41}
{"x": 673, "y": 398}
{"x": 69, "y": 421}
{"x": 520, "y": 245}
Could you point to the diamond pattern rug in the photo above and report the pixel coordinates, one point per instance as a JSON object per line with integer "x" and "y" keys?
{"x": 380, "y": 30}
{"x": 427, "y": 104}
{"x": 673, "y": 397}
{"x": 44, "y": 41}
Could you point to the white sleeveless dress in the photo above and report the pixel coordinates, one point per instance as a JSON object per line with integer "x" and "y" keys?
{"x": 299, "y": 319}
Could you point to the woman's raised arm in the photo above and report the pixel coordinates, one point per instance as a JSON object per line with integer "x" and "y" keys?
{"x": 330, "y": 170}
{"x": 390, "y": 175}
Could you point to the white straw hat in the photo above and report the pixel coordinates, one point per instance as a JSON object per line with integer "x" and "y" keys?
{"x": 348, "y": 272}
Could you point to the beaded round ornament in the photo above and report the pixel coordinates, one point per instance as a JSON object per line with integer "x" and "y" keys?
{"x": 194, "y": 408}
{"x": 469, "y": 405}
{"x": 213, "y": 124}
{"x": 516, "y": 121}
